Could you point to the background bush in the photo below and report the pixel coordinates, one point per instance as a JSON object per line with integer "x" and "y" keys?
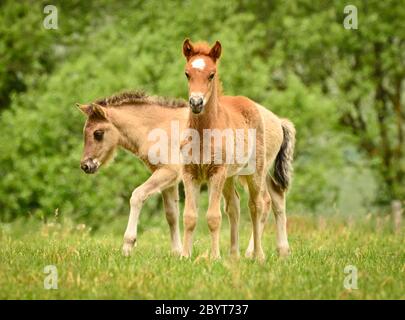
{"x": 293, "y": 58}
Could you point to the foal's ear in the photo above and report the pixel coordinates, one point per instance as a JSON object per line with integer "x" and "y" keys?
{"x": 215, "y": 51}
{"x": 99, "y": 111}
{"x": 93, "y": 110}
{"x": 188, "y": 49}
{"x": 85, "y": 108}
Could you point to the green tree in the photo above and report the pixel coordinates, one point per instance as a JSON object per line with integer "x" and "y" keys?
{"x": 361, "y": 69}
{"x": 291, "y": 57}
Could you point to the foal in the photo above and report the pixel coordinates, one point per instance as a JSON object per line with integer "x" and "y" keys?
{"x": 274, "y": 143}
{"x": 125, "y": 121}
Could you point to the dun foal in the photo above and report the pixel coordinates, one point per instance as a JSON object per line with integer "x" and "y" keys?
{"x": 125, "y": 121}
{"x": 274, "y": 144}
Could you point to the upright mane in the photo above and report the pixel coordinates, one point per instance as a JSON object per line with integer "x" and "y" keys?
{"x": 201, "y": 48}
{"x": 139, "y": 98}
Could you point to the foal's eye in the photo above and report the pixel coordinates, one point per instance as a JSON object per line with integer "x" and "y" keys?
{"x": 187, "y": 75}
{"x": 211, "y": 76}
{"x": 98, "y": 135}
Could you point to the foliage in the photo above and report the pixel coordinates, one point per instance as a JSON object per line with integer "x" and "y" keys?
{"x": 21, "y": 54}
{"x": 294, "y": 58}
{"x": 363, "y": 70}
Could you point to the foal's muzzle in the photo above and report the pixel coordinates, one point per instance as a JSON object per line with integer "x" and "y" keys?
{"x": 89, "y": 166}
{"x": 196, "y": 104}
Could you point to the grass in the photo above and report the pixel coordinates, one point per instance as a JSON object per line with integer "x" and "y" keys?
{"x": 90, "y": 264}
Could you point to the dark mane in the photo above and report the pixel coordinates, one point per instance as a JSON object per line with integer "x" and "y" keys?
{"x": 140, "y": 98}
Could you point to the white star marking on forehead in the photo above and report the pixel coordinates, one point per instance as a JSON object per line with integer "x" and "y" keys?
{"x": 198, "y": 64}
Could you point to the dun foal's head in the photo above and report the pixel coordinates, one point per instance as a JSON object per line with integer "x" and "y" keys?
{"x": 101, "y": 138}
{"x": 201, "y": 68}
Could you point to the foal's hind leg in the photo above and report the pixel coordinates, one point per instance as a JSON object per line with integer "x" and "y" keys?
{"x": 278, "y": 204}
{"x": 232, "y": 208}
{"x": 214, "y": 217}
{"x": 171, "y": 204}
{"x": 190, "y": 216}
{"x": 267, "y": 204}
{"x": 256, "y": 206}
{"x": 159, "y": 180}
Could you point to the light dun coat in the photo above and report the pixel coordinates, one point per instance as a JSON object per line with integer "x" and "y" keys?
{"x": 125, "y": 121}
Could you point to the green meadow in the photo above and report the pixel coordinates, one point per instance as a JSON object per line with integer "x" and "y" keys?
{"x": 90, "y": 265}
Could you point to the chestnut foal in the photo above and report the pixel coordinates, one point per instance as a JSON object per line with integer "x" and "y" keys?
{"x": 274, "y": 144}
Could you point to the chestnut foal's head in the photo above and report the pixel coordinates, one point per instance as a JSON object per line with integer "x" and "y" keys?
{"x": 101, "y": 138}
{"x": 201, "y": 68}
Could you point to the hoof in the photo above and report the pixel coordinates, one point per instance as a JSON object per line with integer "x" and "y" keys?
{"x": 249, "y": 254}
{"x": 283, "y": 252}
{"x": 185, "y": 255}
{"x": 126, "y": 250}
{"x": 127, "y": 247}
{"x": 261, "y": 257}
{"x": 177, "y": 252}
{"x": 215, "y": 257}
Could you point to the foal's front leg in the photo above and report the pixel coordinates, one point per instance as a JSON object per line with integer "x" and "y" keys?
{"x": 159, "y": 180}
{"x": 191, "y": 190}
{"x": 214, "y": 217}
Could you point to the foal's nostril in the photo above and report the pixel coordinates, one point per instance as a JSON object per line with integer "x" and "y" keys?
{"x": 85, "y": 167}
{"x": 196, "y": 102}
{"x": 89, "y": 166}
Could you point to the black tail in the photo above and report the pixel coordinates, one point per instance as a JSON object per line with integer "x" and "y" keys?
{"x": 283, "y": 165}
